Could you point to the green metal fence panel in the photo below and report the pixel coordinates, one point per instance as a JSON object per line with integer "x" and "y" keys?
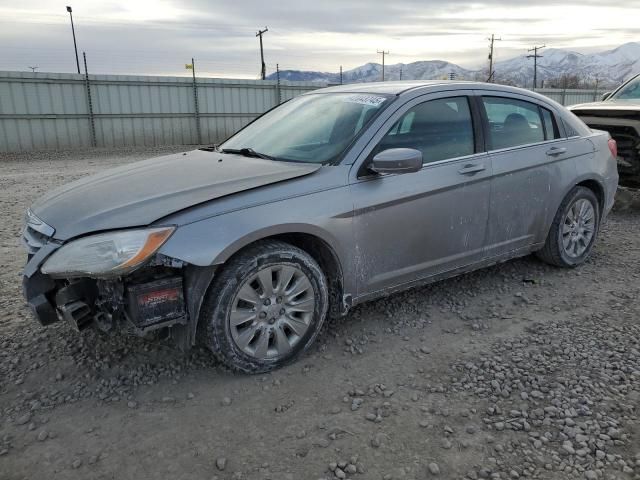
{"x": 40, "y": 111}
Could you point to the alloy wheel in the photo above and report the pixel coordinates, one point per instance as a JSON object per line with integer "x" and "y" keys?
{"x": 272, "y": 311}
{"x": 578, "y": 228}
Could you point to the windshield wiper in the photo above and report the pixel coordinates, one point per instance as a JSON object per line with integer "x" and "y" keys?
{"x": 248, "y": 152}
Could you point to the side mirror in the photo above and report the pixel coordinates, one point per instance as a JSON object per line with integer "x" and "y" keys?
{"x": 397, "y": 160}
{"x": 605, "y": 95}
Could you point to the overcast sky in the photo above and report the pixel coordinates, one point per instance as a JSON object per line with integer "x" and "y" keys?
{"x": 159, "y": 37}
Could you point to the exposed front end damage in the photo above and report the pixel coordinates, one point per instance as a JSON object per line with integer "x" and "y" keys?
{"x": 162, "y": 296}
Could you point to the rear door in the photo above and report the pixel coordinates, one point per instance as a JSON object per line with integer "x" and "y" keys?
{"x": 531, "y": 161}
{"x": 415, "y": 225}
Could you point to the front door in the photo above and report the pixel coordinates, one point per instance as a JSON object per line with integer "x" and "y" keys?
{"x": 414, "y": 225}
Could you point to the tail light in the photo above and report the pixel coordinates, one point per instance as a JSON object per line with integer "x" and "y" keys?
{"x": 613, "y": 148}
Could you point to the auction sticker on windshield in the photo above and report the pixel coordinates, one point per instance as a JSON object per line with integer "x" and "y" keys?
{"x": 363, "y": 99}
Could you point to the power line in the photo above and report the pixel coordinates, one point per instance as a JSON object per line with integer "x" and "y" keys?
{"x": 535, "y": 57}
{"x": 491, "y": 72}
{"x": 263, "y": 71}
{"x": 383, "y": 55}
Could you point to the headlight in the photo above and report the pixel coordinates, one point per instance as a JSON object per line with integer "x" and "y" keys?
{"x": 106, "y": 255}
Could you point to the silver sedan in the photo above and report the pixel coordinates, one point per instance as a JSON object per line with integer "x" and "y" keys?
{"x": 332, "y": 199}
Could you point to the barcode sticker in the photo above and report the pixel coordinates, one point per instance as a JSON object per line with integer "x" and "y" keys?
{"x": 366, "y": 99}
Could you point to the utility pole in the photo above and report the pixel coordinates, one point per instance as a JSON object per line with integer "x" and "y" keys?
{"x": 279, "y": 92}
{"x": 73, "y": 31}
{"x": 263, "y": 71}
{"x": 383, "y": 54}
{"x": 196, "y": 107}
{"x": 400, "y": 72}
{"x": 491, "y": 72}
{"x": 33, "y": 69}
{"x": 535, "y": 57}
{"x": 340, "y": 74}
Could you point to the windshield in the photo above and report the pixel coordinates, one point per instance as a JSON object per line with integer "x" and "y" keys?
{"x": 630, "y": 91}
{"x": 315, "y": 128}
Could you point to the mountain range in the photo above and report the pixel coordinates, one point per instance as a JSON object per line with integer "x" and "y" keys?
{"x": 608, "y": 68}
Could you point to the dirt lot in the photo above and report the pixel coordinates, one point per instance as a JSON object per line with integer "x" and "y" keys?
{"x": 521, "y": 370}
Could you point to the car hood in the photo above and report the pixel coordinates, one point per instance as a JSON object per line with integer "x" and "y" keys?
{"x": 140, "y": 193}
{"x": 632, "y": 105}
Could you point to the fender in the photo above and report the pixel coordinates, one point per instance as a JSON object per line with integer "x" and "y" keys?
{"x": 213, "y": 247}
{"x": 198, "y": 279}
{"x": 327, "y": 215}
{"x": 603, "y": 195}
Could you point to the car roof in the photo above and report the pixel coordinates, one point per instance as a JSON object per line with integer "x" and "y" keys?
{"x": 393, "y": 88}
{"x": 416, "y": 87}
{"x": 403, "y": 86}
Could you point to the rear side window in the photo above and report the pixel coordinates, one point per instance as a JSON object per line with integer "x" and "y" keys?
{"x": 441, "y": 129}
{"x": 513, "y": 122}
{"x": 550, "y": 126}
{"x": 573, "y": 126}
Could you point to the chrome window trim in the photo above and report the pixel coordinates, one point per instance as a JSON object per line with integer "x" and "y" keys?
{"x": 453, "y": 160}
{"x": 527, "y": 145}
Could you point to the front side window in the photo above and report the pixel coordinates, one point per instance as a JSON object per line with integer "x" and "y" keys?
{"x": 512, "y": 122}
{"x": 315, "y": 128}
{"x": 441, "y": 129}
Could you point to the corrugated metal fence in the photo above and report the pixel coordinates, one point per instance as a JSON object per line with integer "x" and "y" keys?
{"x": 60, "y": 111}
{"x": 65, "y": 111}
{"x": 571, "y": 97}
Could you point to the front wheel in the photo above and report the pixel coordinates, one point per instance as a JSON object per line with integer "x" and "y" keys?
{"x": 574, "y": 229}
{"x": 265, "y": 308}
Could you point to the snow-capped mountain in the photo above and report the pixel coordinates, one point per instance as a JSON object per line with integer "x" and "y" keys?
{"x": 372, "y": 72}
{"x": 610, "y": 68}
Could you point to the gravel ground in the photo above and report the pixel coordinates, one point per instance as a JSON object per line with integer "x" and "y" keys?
{"x": 520, "y": 370}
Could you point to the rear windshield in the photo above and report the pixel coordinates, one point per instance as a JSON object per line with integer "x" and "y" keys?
{"x": 314, "y": 128}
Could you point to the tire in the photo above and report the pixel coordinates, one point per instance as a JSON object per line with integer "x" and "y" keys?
{"x": 231, "y": 321}
{"x": 566, "y": 245}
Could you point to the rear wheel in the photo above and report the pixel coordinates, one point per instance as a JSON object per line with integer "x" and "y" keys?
{"x": 574, "y": 229}
{"x": 265, "y": 307}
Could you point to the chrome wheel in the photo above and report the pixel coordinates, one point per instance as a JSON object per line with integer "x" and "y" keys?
{"x": 271, "y": 311}
{"x": 578, "y": 228}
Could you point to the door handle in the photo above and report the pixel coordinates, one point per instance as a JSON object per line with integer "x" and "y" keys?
{"x": 554, "y": 151}
{"x": 471, "y": 169}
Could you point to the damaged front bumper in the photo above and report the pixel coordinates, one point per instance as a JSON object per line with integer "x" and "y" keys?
{"x": 159, "y": 295}
{"x": 149, "y": 300}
